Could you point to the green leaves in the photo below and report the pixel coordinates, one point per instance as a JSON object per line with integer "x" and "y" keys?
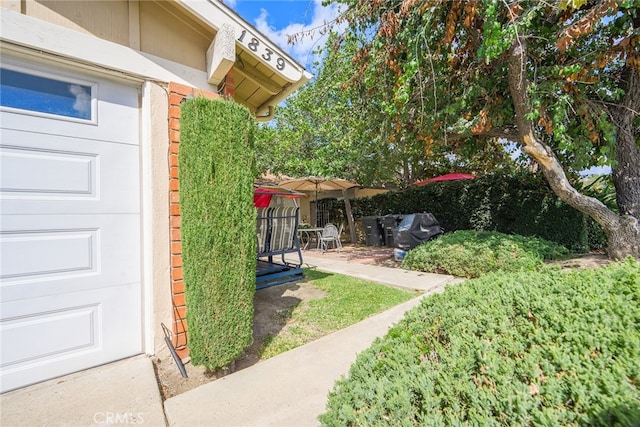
{"x": 435, "y": 74}
{"x": 497, "y": 37}
{"x": 572, "y": 4}
{"x": 471, "y": 254}
{"x": 512, "y": 204}
{"x": 527, "y": 348}
{"x": 216, "y": 162}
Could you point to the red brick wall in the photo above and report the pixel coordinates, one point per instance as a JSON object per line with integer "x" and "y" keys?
{"x": 230, "y": 84}
{"x": 177, "y": 93}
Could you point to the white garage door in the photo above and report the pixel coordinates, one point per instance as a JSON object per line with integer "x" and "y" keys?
{"x": 70, "y": 289}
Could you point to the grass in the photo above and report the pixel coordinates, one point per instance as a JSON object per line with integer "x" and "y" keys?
{"x": 348, "y": 300}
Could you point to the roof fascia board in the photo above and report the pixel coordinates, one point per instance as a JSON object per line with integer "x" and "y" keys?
{"x": 216, "y": 14}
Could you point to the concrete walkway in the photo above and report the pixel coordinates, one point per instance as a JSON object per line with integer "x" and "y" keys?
{"x": 287, "y": 390}
{"x": 291, "y": 388}
{"x": 389, "y": 276}
{"x": 120, "y": 393}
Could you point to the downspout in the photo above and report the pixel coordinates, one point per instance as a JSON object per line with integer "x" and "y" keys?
{"x": 267, "y": 116}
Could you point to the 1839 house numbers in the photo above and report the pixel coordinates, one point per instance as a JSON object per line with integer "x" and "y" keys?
{"x": 253, "y": 44}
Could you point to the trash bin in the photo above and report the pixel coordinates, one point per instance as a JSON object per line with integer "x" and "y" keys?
{"x": 389, "y": 222}
{"x": 373, "y": 230}
{"x": 415, "y": 229}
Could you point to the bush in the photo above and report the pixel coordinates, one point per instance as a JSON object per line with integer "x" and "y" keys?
{"x": 597, "y": 237}
{"x": 533, "y": 348}
{"x": 474, "y": 253}
{"x": 522, "y": 204}
{"x": 218, "y": 228}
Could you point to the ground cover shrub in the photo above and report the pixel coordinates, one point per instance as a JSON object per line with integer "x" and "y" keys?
{"x": 467, "y": 253}
{"x": 529, "y": 348}
{"x": 218, "y": 228}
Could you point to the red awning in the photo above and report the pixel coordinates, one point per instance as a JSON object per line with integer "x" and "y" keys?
{"x": 447, "y": 177}
{"x": 262, "y": 195}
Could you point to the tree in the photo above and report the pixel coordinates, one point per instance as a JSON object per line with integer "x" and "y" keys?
{"x": 326, "y": 129}
{"x": 333, "y": 128}
{"x": 559, "y": 78}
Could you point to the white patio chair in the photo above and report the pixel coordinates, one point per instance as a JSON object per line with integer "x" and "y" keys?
{"x": 329, "y": 234}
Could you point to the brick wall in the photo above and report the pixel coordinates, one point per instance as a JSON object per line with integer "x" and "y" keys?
{"x": 177, "y": 93}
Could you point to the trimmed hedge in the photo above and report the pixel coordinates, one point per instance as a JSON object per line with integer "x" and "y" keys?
{"x": 523, "y": 205}
{"x": 549, "y": 348}
{"x": 216, "y": 163}
{"x": 466, "y": 253}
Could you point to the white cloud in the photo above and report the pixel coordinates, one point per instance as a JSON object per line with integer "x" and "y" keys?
{"x": 83, "y": 100}
{"x": 301, "y": 50}
{"x": 230, "y": 3}
{"x": 596, "y": 170}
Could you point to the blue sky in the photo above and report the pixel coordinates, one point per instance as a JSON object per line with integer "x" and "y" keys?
{"x": 278, "y": 19}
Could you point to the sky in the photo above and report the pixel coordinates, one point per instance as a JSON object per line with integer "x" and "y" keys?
{"x": 278, "y": 19}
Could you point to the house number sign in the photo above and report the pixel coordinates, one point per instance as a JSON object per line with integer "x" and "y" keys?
{"x": 264, "y": 51}
{"x": 253, "y": 44}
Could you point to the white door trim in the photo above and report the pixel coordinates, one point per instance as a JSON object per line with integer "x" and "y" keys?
{"x": 147, "y": 231}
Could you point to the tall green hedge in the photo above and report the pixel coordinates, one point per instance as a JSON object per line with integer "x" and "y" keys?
{"x": 522, "y": 205}
{"x": 216, "y": 162}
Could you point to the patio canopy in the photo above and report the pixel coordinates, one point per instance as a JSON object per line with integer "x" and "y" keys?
{"x": 316, "y": 183}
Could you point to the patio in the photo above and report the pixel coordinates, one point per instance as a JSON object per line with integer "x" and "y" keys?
{"x": 378, "y": 255}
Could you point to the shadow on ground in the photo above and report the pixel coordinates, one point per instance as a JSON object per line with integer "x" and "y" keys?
{"x": 272, "y": 310}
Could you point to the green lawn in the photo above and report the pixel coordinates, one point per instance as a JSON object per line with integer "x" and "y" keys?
{"x": 348, "y": 300}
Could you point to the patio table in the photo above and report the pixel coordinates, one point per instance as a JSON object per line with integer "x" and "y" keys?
{"x": 305, "y": 235}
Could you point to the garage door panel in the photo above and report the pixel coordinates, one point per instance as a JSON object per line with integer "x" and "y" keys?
{"x": 72, "y": 253}
{"x": 50, "y": 252}
{"x": 58, "y": 173}
{"x": 111, "y": 120}
{"x": 68, "y": 333}
{"x": 70, "y": 232}
{"x": 68, "y": 329}
{"x": 63, "y": 175}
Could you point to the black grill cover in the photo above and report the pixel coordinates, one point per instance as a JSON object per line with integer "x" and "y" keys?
{"x": 415, "y": 229}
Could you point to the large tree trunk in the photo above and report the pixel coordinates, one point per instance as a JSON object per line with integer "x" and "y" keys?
{"x": 626, "y": 172}
{"x": 624, "y": 238}
{"x": 622, "y": 231}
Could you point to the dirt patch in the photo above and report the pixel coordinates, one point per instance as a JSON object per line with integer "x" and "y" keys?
{"x": 272, "y": 309}
{"x": 591, "y": 260}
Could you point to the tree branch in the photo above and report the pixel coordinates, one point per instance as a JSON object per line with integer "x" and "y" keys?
{"x": 507, "y": 132}
{"x": 542, "y": 153}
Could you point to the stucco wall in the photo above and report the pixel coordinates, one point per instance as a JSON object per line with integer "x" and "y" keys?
{"x": 158, "y": 149}
{"x": 159, "y": 28}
